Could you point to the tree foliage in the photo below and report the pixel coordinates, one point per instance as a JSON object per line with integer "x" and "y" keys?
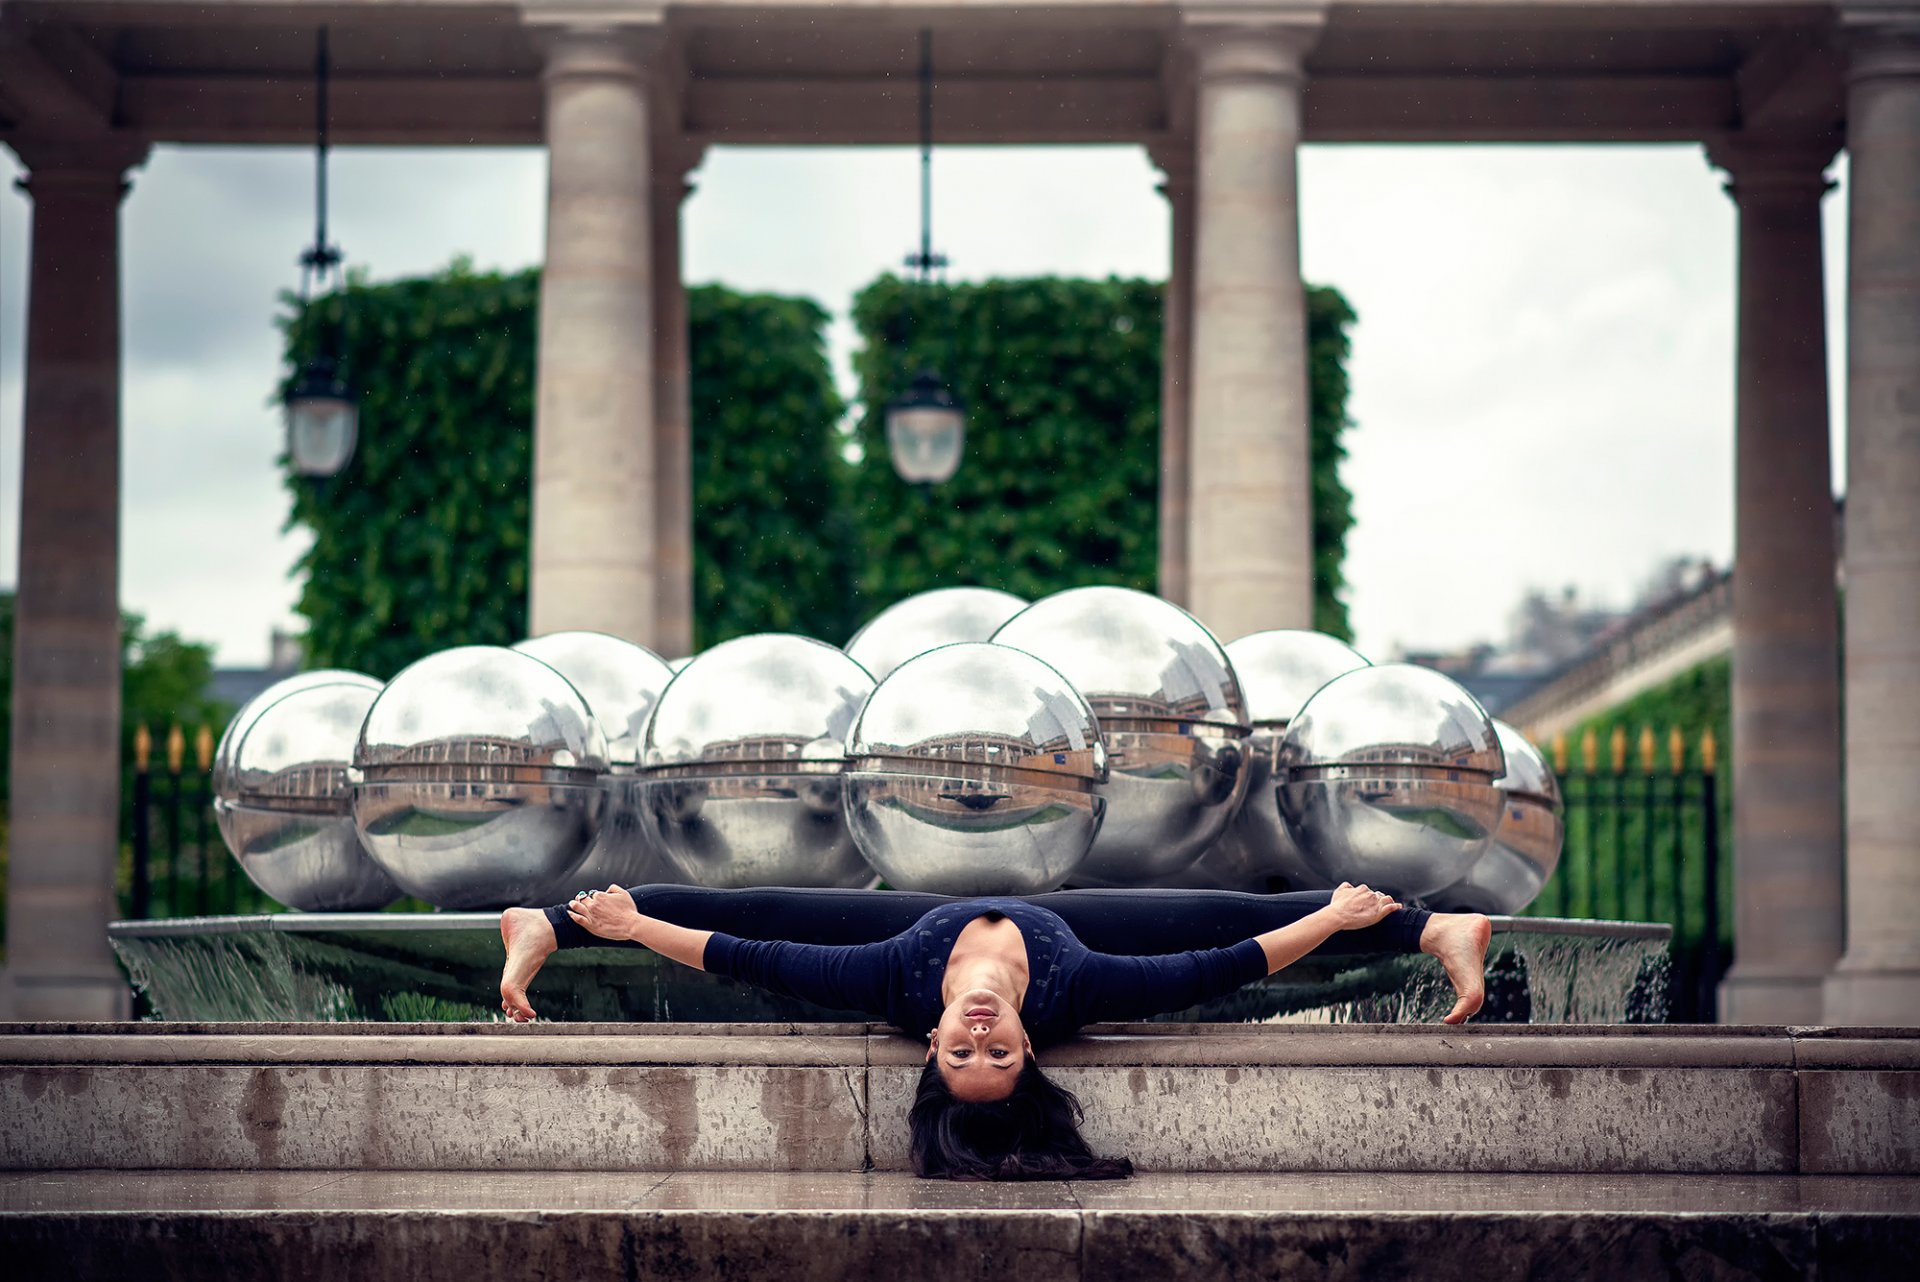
{"x": 1060, "y": 482}
{"x": 422, "y": 543}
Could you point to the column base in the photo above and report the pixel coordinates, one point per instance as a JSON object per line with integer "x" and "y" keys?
{"x": 1771, "y": 999}
{"x": 1888, "y": 998}
{"x": 64, "y": 998}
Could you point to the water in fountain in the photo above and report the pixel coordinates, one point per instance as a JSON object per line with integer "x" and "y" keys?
{"x": 444, "y": 966}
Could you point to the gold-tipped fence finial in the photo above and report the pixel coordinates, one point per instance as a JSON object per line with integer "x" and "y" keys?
{"x": 142, "y": 748}
{"x": 176, "y": 747}
{"x": 1618, "y": 742}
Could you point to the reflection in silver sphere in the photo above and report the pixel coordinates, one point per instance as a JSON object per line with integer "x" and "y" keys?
{"x": 973, "y": 771}
{"x": 621, "y": 682}
{"x": 1278, "y": 671}
{"x": 223, "y": 751}
{"x": 1386, "y": 778}
{"x": 479, "y": 778}
{"x": 1172, "y": 715}
{"x": 289, "y": 818}
{"x": 929, "y": 619}
{"x": 1525, "y": 848}
{"x": 743, "y": 765}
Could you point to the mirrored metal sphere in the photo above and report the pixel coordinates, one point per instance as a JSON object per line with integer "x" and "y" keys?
{"x": 743, "y": 765}
{"x": 1172, "y": 715}
{"x": 1526, "y": 846}
{"x": 289, "y": 818}
{"x": 973, "y": 771}
{"x": 1386, "y": 777}
{"x": 929, "y": 619}
{"x": 237, "y": 728}
{"x": 1278, "y": 671}
{"x": 621, "y": 682}
{"x": 479, "y": 778}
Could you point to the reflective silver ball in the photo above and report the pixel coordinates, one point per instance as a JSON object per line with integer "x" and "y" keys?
{"x": 973, "y": 771}
{"x": 1278, "y": 671}
{"x": 1171, "y": 713}
{"x": 929, "y": 619}
{"x": 223, "y": 784}
{"x": 1387, "y": 778}
{"x": 479, "y": 778}
{"x": 621, "y": 681}
{"x": 743, "y": 765}
{"x": 1525, "y": 848}
{"x": 289, "y": 816}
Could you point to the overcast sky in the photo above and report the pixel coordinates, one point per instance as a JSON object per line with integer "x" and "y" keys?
{"x": 1542, "y": 370}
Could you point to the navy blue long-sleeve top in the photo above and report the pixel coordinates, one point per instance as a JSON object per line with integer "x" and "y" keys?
{"x": 1069, "y": 984}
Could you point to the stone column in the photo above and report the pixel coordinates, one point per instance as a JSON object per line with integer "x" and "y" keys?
{"x": 594, "y": 532}
{"x": 1251, "y": 552}
{"x": 64, "y": 834}
{"x": 1878, "y": 980}
{"x": 1176, "y": 354}
{"x": 672, "y": 414}
{"x": 1786, "y": 649}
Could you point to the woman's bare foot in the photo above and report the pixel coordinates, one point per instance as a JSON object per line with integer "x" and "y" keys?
{"x": 528, "y": 936}
{"x": 1460, "y": 941}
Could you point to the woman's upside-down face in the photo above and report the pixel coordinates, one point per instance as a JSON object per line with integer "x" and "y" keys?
{"x": 980, "y": 1045}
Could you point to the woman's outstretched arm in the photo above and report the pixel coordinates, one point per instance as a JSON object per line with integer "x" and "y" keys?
{"x": 611, "y": 915}
{"x": 1119, "y": 986}
{"x": 1351, "y": 908}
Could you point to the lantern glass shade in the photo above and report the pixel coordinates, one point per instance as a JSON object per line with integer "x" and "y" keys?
{"x": 323, "y": 422}
{"x": 926, "y": 429}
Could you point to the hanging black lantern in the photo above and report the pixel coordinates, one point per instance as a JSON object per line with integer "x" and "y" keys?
{"x": 323, "y": 416}
{"x": 926, "y": 424}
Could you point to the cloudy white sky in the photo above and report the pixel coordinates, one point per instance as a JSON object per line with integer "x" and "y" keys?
{"x": 1542, "y": 370}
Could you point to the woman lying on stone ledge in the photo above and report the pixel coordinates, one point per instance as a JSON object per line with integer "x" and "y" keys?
{"x": 993, "y": 978}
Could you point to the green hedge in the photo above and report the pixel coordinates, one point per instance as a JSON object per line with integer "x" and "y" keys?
{"x": 422, "y": 543}
{"x": 1059, "y": 485}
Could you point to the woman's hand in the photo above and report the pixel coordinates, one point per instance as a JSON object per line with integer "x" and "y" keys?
{"x": 1356, "y": 906}
{"x": 608, "y": 913}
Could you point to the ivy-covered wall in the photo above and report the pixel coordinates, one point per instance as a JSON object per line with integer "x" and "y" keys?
{"x": 1059, "y": 485}
{"x": 423, "y": 542}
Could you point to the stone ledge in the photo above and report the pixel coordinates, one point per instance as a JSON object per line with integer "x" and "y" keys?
{"x": 835, "y": 1097}
{"x": 441, "y": 1227}
{"x": 850, "y": 1045}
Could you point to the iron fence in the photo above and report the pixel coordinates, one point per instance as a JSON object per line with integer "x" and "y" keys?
{"x": 1646, "y": 840}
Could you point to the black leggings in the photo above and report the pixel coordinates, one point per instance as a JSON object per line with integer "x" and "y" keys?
{"x": 1134, "y": 922}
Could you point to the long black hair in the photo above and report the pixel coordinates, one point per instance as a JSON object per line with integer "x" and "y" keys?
{"x": 1033, "y": 1134}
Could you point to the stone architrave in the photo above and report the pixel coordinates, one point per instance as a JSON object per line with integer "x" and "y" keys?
{"x": 64, "y": 833}
{"x": 1878, "y": 980}
{"x": 1176, "y": 354}
{"x": 594, "y": 527}
{"x": 1787, "y": 829}
{"x": 672, "y": 421}
{"x": 1250, "y": 554}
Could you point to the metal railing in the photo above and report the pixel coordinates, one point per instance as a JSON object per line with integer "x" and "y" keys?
{"x": 1645, "y": 841}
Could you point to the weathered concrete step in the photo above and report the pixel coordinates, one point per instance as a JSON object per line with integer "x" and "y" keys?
{"x": 834, "y": 1098}
{"x": 475, "y": 1226}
